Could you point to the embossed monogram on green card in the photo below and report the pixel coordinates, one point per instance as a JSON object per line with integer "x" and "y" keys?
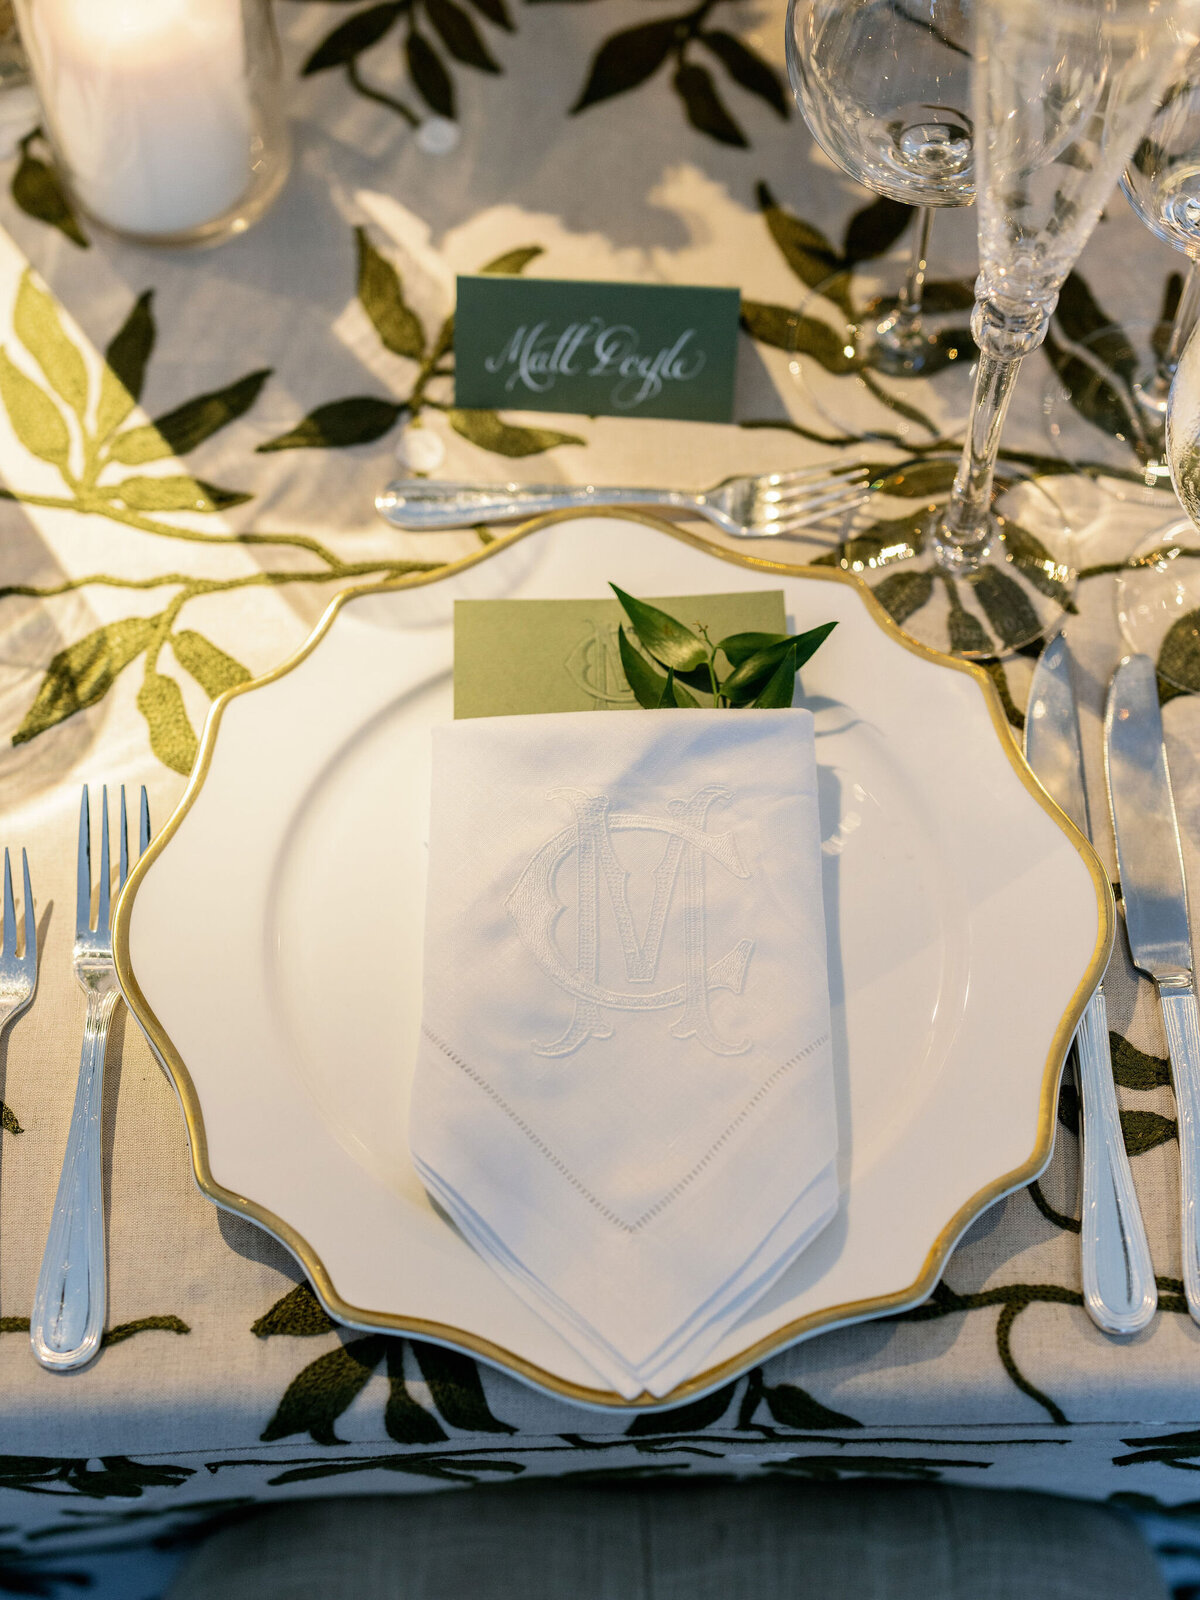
{"x": 512, "y": 657}
{"x": 603, "y": 349}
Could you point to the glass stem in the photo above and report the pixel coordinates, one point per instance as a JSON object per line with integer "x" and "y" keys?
{"x": 965, "y": 522}
{"x": 1186, "y": 315}
{"x": 909, "y": 307}
{"x": 1005, "y": 332}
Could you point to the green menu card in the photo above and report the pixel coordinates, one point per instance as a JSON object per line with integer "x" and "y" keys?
{"x": 517, "y": 656}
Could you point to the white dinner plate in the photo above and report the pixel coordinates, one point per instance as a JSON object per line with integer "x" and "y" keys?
{"x": 270, "y": 944}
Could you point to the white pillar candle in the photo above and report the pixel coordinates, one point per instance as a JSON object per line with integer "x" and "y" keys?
{"x": 149, "y": 106}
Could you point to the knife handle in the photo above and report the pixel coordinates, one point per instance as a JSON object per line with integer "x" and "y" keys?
{"x": 1118, "y": 1274}
{"x": 1182, "y": 1019}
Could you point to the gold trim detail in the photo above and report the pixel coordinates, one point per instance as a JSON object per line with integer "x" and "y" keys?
{"x": 829, "y": 1316}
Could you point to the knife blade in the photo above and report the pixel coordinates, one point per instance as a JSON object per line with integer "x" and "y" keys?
{"x": 1118, "y": 1275}
{"x": 1154, "y": 892}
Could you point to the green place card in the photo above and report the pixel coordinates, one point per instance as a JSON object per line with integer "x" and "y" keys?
{"x": 518, "y": 656}
{"x": 603, "y": 349}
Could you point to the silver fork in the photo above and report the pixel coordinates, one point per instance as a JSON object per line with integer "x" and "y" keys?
{"x": 766, "y": 507}
{"x": 69, "y": 1305}
{"x": 18, "y": 973}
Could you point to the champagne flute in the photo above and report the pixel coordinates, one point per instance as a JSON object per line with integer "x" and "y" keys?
{"x": 884, "y": 86}
{"x": 1063, "y": 93}
{"x": 1158, "y": 595}
{"x": 1114, "y": 412}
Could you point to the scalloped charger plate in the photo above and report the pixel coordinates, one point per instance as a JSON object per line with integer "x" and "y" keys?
{"x": 270, "y": 943}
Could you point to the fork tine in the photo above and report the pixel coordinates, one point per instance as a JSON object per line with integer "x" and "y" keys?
{"x": 29, "y": 954}
{"x": 802, "y": 492}
{"x": 813, "y": 514}
{"x": 102, "y": 910}
{"x": 83, "y": 871}
{"x": 10, "y": 911}
{"x": 143, "y": 824}
{"x": 123, "y": 846}
{"x": 802, "y": 475}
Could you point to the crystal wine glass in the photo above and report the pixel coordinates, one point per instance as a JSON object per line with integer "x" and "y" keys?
{"x": 1158, "y": 595}
{"x": 1113, "y": 414}
{"x": 1064, "y": 89}
{"x": 884, "y": 86}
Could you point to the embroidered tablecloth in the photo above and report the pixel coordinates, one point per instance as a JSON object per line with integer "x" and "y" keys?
{"x": 190, "y": 532}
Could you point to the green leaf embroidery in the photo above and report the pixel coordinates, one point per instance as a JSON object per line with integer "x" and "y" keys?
{"x": 486, "y": 429}
{"x": 84, "y": 672}
{"x": 769, "y": 324}
{"x": 8, "y": 1119}
{"x": 668, "y": 641}
{"x": 1179, "y": 653}
{"x": 691, "y": 1418}
{"x": 177, "y": 492}
{"x": 37, "y": 325}
{"x": 860, "y": 552}
{"x": 626, "y": 60}
{"x": 350, "y": 38}
{"x": 1081, "y": 318}
{"x": 513, "y": 261}
{"x": 968, "y": 636}
{"x": 1160, "y": 335}
{"x": 37, "y": 189}
{"x": 190, "y": 424}
{"x": 873, "y": 231}
{"x": 705, "y": 109}
{"x": 299, "y": 1314}
{"x": 337, "y": 425}
{"x": 37, "y": 421}
{"x": 460, "y": 35}
{"x": 794, "y": 1407}
{"x": 805, "y": 249}
{"x": 1144, "y": 1130}
{"x": 1006, "y": 606}
{"x": 317, "y": 1395}
{"x": 919, "y": 480}
{"x": 748, "y": 70}
{"x": 160, "y": 700}
{"x": 1034, "y": 561}
{"x": 495, "y": 11}
{"x": 405, "y": 1420}
{"x": 125, "y": 363}
{"x": 126, "y": 1330}
{"x": 1097, "y": 399}
{"x": 1133, "y": 1069}
{"x": 212, "y": 669}
{"x": 948, "y": 294}
{"x": 382, "y": 298}
{"x": 433, "y": 83}
{"x": 902, "y": 593}
{"x": 455, "y": 1387}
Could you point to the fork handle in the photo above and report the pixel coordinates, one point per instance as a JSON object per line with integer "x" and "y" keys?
{"x": 423, "y": 506}
{"x": 1119, "y": 1291}
{"x": 69, "y": 1305}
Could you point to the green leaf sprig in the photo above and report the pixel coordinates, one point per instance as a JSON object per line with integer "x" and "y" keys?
{"x": 760, "y": 672}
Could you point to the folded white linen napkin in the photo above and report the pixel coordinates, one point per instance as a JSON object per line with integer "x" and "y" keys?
{"x": 624, "y": 1095}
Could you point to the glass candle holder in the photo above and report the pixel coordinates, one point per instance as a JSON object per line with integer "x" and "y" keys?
{"x": 166, "y": 116}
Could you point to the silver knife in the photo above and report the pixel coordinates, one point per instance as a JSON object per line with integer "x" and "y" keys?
{"x": 1118, "y": 1274}
{"x": 1156, "y": 911}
